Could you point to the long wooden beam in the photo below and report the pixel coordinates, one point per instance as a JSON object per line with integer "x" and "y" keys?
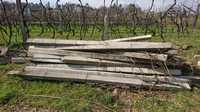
{"x": 61, "y": 42}
{"x": 57, "y": 73}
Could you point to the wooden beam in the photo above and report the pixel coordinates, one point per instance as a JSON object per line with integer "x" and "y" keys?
{"x": 60, "y": 42}
{"x": 164, "y": 79}
{"x": 57, "y": 42}
{"x": 135, "y": 80}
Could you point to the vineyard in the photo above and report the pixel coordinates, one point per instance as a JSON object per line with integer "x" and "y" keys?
{"x": 24, "y": 23}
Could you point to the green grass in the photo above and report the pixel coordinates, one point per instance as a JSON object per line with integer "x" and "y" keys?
{"x": 76, "y": 97}
{"x": 80, "y": 97}
{"x": 71, "y": 97}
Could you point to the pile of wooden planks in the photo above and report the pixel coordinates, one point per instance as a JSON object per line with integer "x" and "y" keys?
{"x": 120, "y": 61}
{"x": 3, "y": 55}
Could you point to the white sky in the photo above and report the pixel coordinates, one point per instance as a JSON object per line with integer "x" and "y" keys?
{"x": 145, "y": 4}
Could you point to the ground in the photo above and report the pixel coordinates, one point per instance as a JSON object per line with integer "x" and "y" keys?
{"x": 22, "y": 95}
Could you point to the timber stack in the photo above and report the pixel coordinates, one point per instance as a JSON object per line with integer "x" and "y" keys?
{"x": 130, "y": 61}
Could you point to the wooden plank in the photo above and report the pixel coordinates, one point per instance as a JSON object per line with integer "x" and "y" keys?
{"x": 124, "y": 46}
{"x": 78, "y": 60}
{"x": 99, "y": 79}
{"x": 137, "y": 38}
{"x": 95, "y": 76}
{"x": 60, "y": 42}
{"x": 135, "y": 70}
{"x": 107, "y": 56}
{"x": 164, "y": 79}
{"x": 89, "y": 61}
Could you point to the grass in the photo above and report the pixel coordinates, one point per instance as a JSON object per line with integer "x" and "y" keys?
{"x": 16, "y": 92}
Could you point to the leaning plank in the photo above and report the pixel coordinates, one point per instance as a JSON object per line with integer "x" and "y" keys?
{"x": 163, "y": 79}
{"x": 125, "y": 46}
{"x": 138, "y": 38}
{"x": 107, "y": 56}
{"x": 90, "y": 61}
{"x": 135, "y": 70}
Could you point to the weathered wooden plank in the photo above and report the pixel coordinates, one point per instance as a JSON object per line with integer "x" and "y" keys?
{"x": 125, "y": 46}
{"x": 89, "y": 61}
{"x": 78, "y": 60}
{"x": 127, "y": 57}
{"x": 135, "y": 70}
{"x": 164, "y": 79}
{"x": 137, "y": 38}
{"x": 60, "y": 42}
{"x": 95, "y": 76}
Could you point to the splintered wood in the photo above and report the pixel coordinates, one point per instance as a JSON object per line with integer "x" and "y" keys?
{"x": 120, "y": 61}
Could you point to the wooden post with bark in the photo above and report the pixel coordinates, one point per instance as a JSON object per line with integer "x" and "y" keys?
{"x": 23, "y": 26}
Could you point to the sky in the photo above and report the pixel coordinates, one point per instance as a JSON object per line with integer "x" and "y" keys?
{"x": 144, "y": 4}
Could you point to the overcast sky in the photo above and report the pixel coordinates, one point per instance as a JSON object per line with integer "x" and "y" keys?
{"x": 144, "y": 4}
